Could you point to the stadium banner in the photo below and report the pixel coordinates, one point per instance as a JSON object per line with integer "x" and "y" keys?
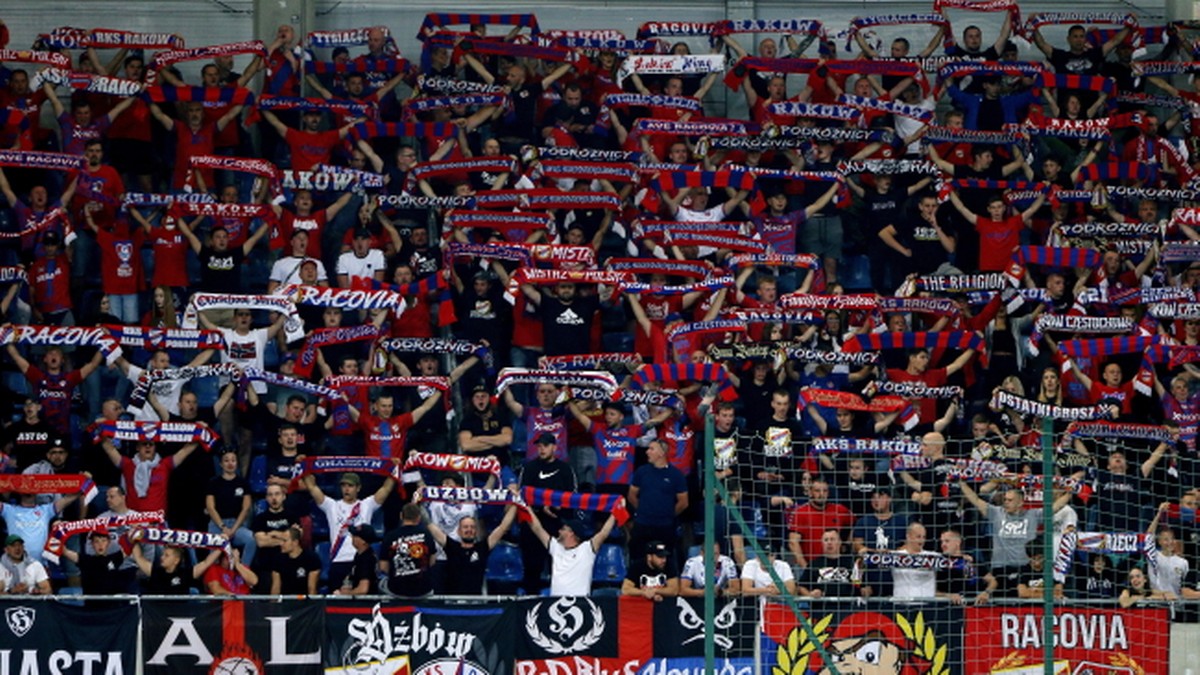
{"x": 679, "y": 637}
{"x": 232, "y": 636}
{"x": 564, "y": 635}
{"x": 48, "y": 637}
{"x": 912, "y": 638}
{"x": 364, "y": 638}
{"x": 1100, "y": 640}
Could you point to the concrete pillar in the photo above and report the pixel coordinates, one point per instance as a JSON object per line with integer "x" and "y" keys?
{"x": 1181, "y": 10}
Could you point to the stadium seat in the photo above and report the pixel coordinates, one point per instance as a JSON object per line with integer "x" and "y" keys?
{"x": 258, "y": 475}
{"x": 855, "y": 273}
{"x": 72, "y": 591}
{"x": 504, "y": 569}
{"x": 323, "y": 555}
{"x": 610, "y": 565}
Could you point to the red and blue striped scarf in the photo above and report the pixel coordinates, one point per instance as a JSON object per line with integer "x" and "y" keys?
{"x": 437, "y": 20}
{"x": 390, "y": 66}
{"x": 935, "y": 340}
{"x": 368, "y": 130}
{"x": 577, "y": 501}
{"x": 228, "y": 95}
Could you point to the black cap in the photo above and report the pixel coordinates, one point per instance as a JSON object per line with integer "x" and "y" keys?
{"x": 51, "y": 239}
{"x": 545, "y": 438}
{"x": 364, "y": 532}
{"x": 658, "y": 548}
{"x": 580, "y": 526}
{"x": 480, "y": 386}
{"x": 883, "y": 490}
{"x": 362, "y": 233}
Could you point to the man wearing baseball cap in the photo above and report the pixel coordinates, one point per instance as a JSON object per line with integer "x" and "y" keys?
{"x": 573, "y": 553}
{"x": 655, "y": 576}
{"x": 343, "y": 514}
{"x": 545, "y": 471}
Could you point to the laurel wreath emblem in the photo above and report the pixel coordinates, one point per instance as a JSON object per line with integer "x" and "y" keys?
{"x": 792, "y": 658}
{"x": 925, "y": 644}
{"x": 581, "y": 643}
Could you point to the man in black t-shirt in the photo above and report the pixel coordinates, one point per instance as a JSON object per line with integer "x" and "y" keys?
{"x": 362, "y": 577}
{"x": 936, "y": 497}
{"x": 655, "y": 576}
{"x": 297, "y": 569}
{"x": 567, "y": 318}
{"x": 829, "y": 576}
{"x": 467, "y": 556}
{"x": 517, "y": 127}
{"x": 270, "y": 530}
{"x": 930, "y": 238}
{"x": 407, "y": 556}
{"x": 100, "y": 571}
{"x": 28, "y": 439}
{"x": 483, "y": 314}
{"x": 485, "y": 429}
{"x": 1078, "y": 58}
{"x": 220, "y": 265}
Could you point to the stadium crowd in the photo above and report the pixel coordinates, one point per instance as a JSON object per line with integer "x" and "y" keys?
{"x": 894, "y": 286}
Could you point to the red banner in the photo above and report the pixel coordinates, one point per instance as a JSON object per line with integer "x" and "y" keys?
{"x": 1007, "y": 639}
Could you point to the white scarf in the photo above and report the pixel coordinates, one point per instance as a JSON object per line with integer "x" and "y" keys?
{"x": 142, "y": 470}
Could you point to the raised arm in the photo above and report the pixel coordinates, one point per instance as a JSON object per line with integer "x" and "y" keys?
{"x": 510, "y": 516}
{"x": 974, "y": 498}
{"x": 962, "y": 208}
{"x": 163, "y": 118}
{"x": 275, "y": 122}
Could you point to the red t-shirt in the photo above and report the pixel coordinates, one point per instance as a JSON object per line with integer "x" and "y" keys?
{"x": 228, "y": 579}
{"x": 156, "y": 494}
{"x": 51, "y": 283}
{"x": 227, "y": 137}
{"x": 385, "y": 437}
{"x": 1122, "y": 393}
{"x": 312, "y": 224}
{"x": 102, "y": 185}
{"x": 658, "y": 308}
{"x": 934, "y": 377}
{"x": 188, "y": 144}
{"x": 170, "y": 257}
{"x": 996, "y": 241}
{"x": 810, "y": 523}
{"x": 133, "y": 124}
{"x": 415, "y": 321}
{"x": 310, "y": 148}
{"x": 121, "y": 260}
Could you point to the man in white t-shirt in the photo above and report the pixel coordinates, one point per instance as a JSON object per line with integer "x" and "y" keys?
{"x": 1172, "y": 568}
{"x": 26, "y": 575}
{"x": 572, "y": 557}
{"x": 361, "y": 262}
{"x": 757, "y": 579}
{"x": 343, "y": 514}
{"x": 909, "y": 583}
{"x": 244, "y": 345}
{"x": 286, "y": 270}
